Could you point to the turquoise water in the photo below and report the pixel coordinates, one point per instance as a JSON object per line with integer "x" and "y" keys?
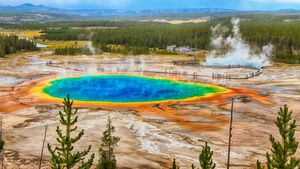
{"x": 125, "y": 88}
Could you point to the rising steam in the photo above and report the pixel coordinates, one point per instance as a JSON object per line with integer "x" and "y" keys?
{"x": 239, "y": 52}
{"x": 90, "y": 44}
{"x": 91, "y": 47}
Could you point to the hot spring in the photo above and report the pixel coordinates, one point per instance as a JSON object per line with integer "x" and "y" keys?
{"x": 126, "y": 89}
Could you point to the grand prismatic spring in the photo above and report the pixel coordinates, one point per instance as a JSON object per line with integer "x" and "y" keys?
{"x": 127, "y": 89}
{"x": 146, "y": 94}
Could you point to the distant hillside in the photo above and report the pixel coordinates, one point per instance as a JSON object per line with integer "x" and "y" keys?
{"x": 30, "y": 8}
{"x": 27, "y": 7}
{"x": 39, "y": 13}
{"x": 37, "y": 17}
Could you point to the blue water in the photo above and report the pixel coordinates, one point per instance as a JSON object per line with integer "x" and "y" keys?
{"x": 125, "y": 88}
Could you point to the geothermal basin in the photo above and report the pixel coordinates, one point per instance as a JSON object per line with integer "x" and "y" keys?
{"x": 172, "y": 119}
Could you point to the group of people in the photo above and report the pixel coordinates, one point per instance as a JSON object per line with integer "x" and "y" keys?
{"x": 253, "y": 74}
{"x": 221, "y": 76}
{"x": 176, "y": 72}
{"x": 49, "y": 63}
{"x": 225, "y": 66}
{"x": 228, "y": 77}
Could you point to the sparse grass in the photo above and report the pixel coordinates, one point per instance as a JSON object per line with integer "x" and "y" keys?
{"x": 59, "y": 44}
{"x": 6, "y": 32}
{"x": 30, "y": 34}
{"x": 176, "y": 22}
{"x": 37, "y": 33}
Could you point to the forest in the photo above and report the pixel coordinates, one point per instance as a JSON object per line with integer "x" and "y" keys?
{"x": 10, "y": 44}
{"x": 72, "y": 51}
{"x": 196, "y": 36}
{"x": 284, "y": 36}
{"x": 80, "y": 24}
{"x": 140, "y": 38}
{"x": 67, "y": 34}
{"x": 136, "y": 37}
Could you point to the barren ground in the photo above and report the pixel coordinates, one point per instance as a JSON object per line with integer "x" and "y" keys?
{"x": 147, "y": 140}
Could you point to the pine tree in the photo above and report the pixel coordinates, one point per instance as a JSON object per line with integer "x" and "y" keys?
{"x": 2, "y": 142}
{"x": 107, "y": 159}
{"x": 174, "y": 165}
{"x": 63, "y": 156}
{"x": 258, "y": 164}
{"x": 1, "y": 145}
{"x": 282, "y": 152}
{"x": 205, "y": 158}
{"x": 2, "y": 54}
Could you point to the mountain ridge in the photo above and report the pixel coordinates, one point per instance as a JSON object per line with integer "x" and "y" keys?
{"x": 28, "y": 7}
{"x": 28, "y": 12}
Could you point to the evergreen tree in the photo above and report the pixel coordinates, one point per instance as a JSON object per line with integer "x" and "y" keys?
{"x": 258, "y": 164}
{"x": 72, "y": 50}
{"x": 2, "y": 54}
{"x": 63, "y": 156}
{"x": 174, "y": 165}
{"x": 1, "y": 145}
{"x": 205, "y": 158}
{"x": 107, "y": 159}
{"x": 282, "y": 152}
{"x": 11, "y": 44}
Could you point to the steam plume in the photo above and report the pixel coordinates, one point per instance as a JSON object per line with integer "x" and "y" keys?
{"x": 90, "y": 44}
{"x": 239, "y": 52}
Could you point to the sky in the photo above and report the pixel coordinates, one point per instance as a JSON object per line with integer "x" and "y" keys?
{"x": 162, "y": 4}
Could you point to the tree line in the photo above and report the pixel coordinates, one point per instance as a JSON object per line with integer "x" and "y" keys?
{"x": 155, "y": 37}
{"x": 132, "y": 50}
{"x": 10, "y": 44}
{"x": 79, "y": 24}
{"x": 71, "y": 50}
{"x": 67, "y": 34}
{"x": 284, "y": 36}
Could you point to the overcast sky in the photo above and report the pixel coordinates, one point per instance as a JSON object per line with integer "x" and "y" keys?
{"x": 164, "y": 4}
